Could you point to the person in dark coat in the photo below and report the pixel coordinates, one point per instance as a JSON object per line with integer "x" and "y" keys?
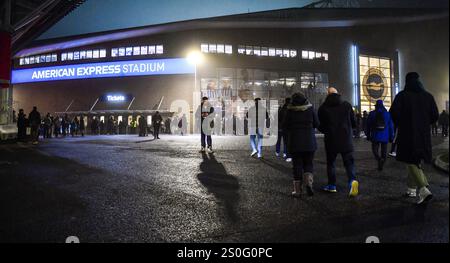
{"x": 142, "y": 126}
{"x": 443, "y": 122}
{"x": 157, "y": 121}
{"x": 380, "y": 131}
{"x": 413, "y": 111}
{"x": 204, "y": 112}
{"x": 281, "y": 133}
{"x": 35, "y": 122}
{"x": 300, "y": 123}
{"x": 337, "y": 121}
{"x": 21, "y": 126}
{"x": 82, "y": 126}
{"x": 364, "y": 120}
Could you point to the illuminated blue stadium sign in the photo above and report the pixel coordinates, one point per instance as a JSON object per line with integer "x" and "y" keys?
{"x": 104, "y": 70}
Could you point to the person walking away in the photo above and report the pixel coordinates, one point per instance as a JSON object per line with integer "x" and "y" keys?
{"x": 380, "y": 131}
{"x": 157, "y": 120}
{"x": 256, "y": 119}
{"x": 413, "y": 111}
{"x": 82, "y": 126}
{"x": 299, "y": 124}
{"x": 337, "y": 121}
{"x": 443, "y": 122}
{"x": 56, "y": 126}
{"x": 47, "y": 126}
{"x": 364, "y": 120}
{"x": 205, "y": 110}
{"x": 282, "y": 136}
{"x": 142, "y": 126}
{"x": 35, "y": 123}
{"x": 21, "y": 126}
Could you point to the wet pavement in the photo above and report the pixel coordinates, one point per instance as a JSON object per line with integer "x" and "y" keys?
{"x": 131, "y": 189}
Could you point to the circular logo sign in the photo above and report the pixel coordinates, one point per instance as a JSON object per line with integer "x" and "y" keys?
{"x": 374, "y": 85}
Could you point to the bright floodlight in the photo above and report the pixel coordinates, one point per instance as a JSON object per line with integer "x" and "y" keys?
{"x": 195, "y": 57}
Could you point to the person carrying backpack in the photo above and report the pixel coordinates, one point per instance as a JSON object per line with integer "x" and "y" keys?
{"x": 380, "y": 131}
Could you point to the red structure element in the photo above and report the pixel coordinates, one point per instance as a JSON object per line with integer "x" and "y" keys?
{"x": 5, "y": 59}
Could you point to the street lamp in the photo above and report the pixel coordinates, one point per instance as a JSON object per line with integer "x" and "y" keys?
{"x": 195, "y": 58}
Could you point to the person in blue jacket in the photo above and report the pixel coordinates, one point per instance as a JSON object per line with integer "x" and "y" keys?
{"x": 380, "y": 131}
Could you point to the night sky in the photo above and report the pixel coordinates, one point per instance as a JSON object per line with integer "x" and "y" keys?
{"x": 102, "y": 15}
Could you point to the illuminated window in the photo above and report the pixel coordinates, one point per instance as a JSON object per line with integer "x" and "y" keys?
{"x": 136, "y": 51}
{"x": 304, "y": 54}
{"x": 27, "y": 61}
{"x": 272, "y": 52}
{"x": 151, "y": 50}
{"x": 279, "y": 52}
{"x": 103, "y": 53}
{"x": 257, "y": 51}
{"x": 89, "y": 54}
{"x": 241, "y": 50}
{"x": 37, "y": 59}
{"x": 129, "y": 51}
{"x": 286, "y": 53}
{"x": 63, "y": 56}
{"x": 69, "y": 56}
{"x": 21, "y": 61}
{"x": 264, "y": 51}
{"x": 121, "y": 51}
{"x": 114, "y": 52}
{"x": 96, "y": 54}
{"x": 220, "y": 49}
{"x": 54, "y": 57}
{"x": 212, "y": 48}
{"x": 228, "y": 49}
{"x": 311, "y": 54}
{"x": 204, "y": 48}
{"x": 293, "y": 53}
{"x": 325, "y": 56}
{"x": 31, "y": 60}
{"x": 82, "y": 54}
{"x": 249, "y": 50}
{"x": 144, "y": 50}
{"x": 48, "y": 58}
{"x": 159, "y": 49}
{"x": 149, "y": 120}
{"x": 318, "y": 55}
{"x": 76, "y": 56}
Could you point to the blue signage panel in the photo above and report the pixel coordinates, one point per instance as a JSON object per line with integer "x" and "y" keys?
{"x": 104, "y": 70}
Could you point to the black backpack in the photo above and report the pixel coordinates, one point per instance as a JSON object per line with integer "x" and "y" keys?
{"x": 380, "y": 123}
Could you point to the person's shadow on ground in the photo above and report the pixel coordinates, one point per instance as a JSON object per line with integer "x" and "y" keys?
{"x": 223, "y": 186}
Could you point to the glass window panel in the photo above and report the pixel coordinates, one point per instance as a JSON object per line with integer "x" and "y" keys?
{"x": 31, "y": 60}
{"x": 318, "y": 54}
{"x": 63, "y": 56}
{"x": 89, "y": 54}
{"x": 293, "y": 53}
{"x": 114, "y": 52}
{"x": 272, "y": 52}
{"x": 325, "y": 56}
{"x": 363, "y": 61}
{"x": 76, "y": 56}
{"x": 212, "y": 48}
{"x": 129, "y": 51}
{"x": 151, "y": 50}
{"x": 21, "y": 61}
{"x": 136, "y": 51}
{"x": 144, "y": 50}
{"x": 264, "y": 51}
{"x": 121, "y": 51}
{"x": 82, "y": 54}
{"x": 311, "y": 54}
{"x": 286, "y": 53}
{"x": 279, "y": 52}
{"x": 27, "y": 60}
{"x": 228, "y": 49}
{"x": 305, "y": 54}
{"x": 54, "y": 57}
{"x": 220, "y": 49}
{"x": 249, "y": 50}
{"x": 103, "y": 53}
{"x": 241, "y": 49}
{"x": 159, "y": 49}
{"x": 96, "y": 53}
{"x": 374, "y": 62}
{"x": 37, "y": 59}
{"x": 257, "y": 51}
{"x": 204, "y": 48}
{"x": 69, "y": 56}
{"x": 385, "y": 63}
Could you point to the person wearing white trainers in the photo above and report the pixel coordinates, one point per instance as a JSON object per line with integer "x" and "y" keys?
{"x": 413, "y": 111}
{"x": 300, "y": 123}
{"x": 257, "y": 115}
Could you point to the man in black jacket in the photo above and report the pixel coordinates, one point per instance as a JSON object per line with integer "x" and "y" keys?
{"x": 337, "y": 121}
{"x": 205, "y": 110}
{"x": 282, "y": 135}
{"x": 35, "y": 123}
{"x": 157, "y": 120}
{"x": 413, "y": 111}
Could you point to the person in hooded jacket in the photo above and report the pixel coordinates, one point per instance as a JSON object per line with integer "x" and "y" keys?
{"x": 337, "y": 121}
{"x": 281, "y": 133}
{"x": 380, "y": 131}
{"x": 21, "y": 126}
{"x": 299, "y": 124}
{"x": 35, "y": 122}
{"x": 413, "y": 111}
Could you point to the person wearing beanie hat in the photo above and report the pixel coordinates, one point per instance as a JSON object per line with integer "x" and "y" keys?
{"x": 413, "y": 111}
{"x": 300, "y": 123}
